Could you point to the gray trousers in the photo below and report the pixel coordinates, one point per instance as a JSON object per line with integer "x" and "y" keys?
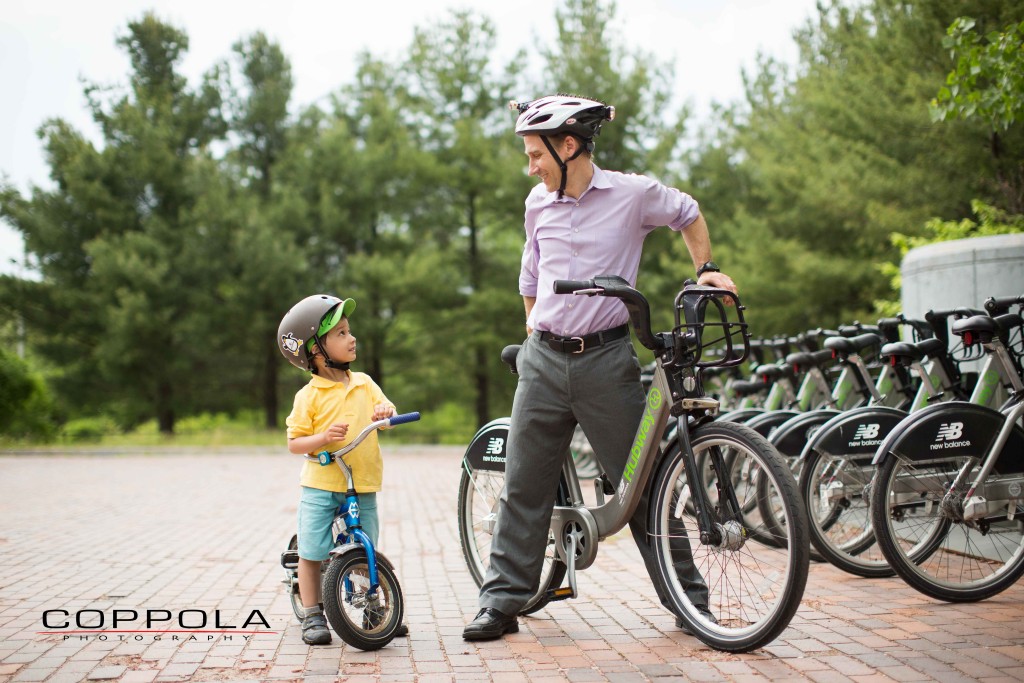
{"x": 601, "y": 390}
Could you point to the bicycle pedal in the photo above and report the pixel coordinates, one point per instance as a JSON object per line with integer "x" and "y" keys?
{"x": 290, "y": 559}
{"x": 606, "y": 485}
{"x": 564, "y": 593}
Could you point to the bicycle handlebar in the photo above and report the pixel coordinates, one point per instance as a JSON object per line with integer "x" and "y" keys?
{"x": 691, "y": 302}
{"x": 997, "y": 305}
{"x": 376, "y": 424}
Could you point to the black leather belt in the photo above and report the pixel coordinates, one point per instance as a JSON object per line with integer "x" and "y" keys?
{"x": 586, "y": 342}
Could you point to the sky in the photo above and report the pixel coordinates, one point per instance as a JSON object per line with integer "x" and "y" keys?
{"x": 48, "y": 48}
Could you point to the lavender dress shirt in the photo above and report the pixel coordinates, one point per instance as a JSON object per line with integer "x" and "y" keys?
{"x": 601, "y": 233}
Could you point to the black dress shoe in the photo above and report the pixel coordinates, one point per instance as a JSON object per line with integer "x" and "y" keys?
{"x": 490, "y": 624}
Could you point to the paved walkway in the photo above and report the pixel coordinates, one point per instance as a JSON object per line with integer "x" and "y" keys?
{"x": 199, "y": 535}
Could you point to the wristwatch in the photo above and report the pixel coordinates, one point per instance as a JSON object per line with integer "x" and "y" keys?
{"x": 708, "y": 267}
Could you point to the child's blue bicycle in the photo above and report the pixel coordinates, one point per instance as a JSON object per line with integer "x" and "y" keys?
{"x": 362, "y": 598}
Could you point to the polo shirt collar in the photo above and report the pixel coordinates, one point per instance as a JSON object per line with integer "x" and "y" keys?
{"x": 354, "y": 379}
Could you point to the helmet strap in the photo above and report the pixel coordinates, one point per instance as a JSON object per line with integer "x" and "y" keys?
{"x": 328, "y": 361}
{"x": 562, "y": 165}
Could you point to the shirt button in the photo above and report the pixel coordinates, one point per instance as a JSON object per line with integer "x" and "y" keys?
{"x": 576, "y": 229}
{"x": 577, "y": 203}
{"x": 575, "y": 253}
{"x": 570, "y": 305}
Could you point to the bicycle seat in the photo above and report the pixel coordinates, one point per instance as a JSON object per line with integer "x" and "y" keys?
{"x": 771, "y": 371}
{"x": 814, "y": 359}
{"x": 508, "y": 356}
{"x": 977, "y": 328}
{"x": 745, "y": 388}
{"x": 907, "y": 352}
{"x": 846, "y": 345}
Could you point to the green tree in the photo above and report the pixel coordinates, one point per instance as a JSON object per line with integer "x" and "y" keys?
{"x": 591, "y": 59}
{"x": 987, "y": 83}
{"x": 822, "y": 163}
{"x": 128, "y": 268}
{"x": 265, "y": 270}
{"x": 458, "y": 98}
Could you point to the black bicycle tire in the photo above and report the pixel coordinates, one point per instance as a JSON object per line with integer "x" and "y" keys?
{"x": 557, "y": 569}
{"x": 354, "y": 635}
{"x": 721, "y": 636}
{"x": 908, "y": 566}
{"x": 847, "y": 559}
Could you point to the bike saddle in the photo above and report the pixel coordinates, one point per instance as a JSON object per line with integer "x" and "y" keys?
{"x": 508, "y": 356}
{"x": 846, "y": 345}
{"x": 815, "y": 359}
{"x": 977, "y": 328}
{"x": 771, "y": 371}
{"x": 907, "y": 352}
{"x": 745, "y": 388}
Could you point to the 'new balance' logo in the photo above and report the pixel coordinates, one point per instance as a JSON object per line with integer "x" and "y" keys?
{"x": 950, "y": 431}
{"x": 866, "y": 431}
{"x": 495, "y": 446}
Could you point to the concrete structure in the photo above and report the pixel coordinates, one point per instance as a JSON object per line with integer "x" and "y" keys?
{"x": 962, "y": 273}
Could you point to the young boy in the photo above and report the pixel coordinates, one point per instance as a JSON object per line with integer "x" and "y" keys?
{"x": 315, "y": 336}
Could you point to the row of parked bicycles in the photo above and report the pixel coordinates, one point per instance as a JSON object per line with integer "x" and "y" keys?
{"x": 892, "y": 448}
{"x": 906, "y": 441}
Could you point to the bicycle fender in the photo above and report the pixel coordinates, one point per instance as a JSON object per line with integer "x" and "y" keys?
{"x": 741, "y": 415}
{"x": 791, "y": 436}
{"x": 766, "y": 423}
{"x": 857, "y": 432}
{"x": 487, "y": 449}
{"x": 343, "y": 550}
{"x": 953, "y": 429}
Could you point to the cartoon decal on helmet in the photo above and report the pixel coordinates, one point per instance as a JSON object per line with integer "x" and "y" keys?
{"x": 290, "y": 344}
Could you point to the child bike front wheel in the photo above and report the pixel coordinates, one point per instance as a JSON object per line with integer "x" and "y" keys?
{"x": 365, "y": 619}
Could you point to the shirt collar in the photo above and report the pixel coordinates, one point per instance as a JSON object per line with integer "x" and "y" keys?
{"x": 599, "y": 181}
{"x": 354, "y": 379}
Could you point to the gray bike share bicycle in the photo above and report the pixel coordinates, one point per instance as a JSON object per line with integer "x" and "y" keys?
{"x": 755, "y": 587}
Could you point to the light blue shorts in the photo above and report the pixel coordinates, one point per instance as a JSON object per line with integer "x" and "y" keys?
{"x": 317, "y": 509}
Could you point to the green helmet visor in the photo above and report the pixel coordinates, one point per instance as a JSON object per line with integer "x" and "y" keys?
{"x": 332, "y": 318}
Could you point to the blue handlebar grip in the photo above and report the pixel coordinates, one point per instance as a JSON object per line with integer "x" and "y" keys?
{"x": 402, "y": 419}
{"x": 324, "y": 457}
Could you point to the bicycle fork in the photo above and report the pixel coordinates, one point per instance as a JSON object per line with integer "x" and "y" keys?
{"x": 731, "y": 534}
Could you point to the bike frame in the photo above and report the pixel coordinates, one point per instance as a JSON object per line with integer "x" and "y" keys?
{"x": 349, "y": 510}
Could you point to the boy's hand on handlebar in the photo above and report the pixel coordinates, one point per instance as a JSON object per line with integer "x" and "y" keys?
{"x": 383, "y": 410}
{"x": 719, "y": 280}
{"x": 335, "y": 433}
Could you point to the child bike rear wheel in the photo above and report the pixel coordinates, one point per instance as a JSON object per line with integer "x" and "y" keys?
{"x": 362, "y": 619}
{"x": 755, "y": 587}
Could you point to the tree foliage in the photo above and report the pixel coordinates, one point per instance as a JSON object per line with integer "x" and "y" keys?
{"x": 166, "y": 254}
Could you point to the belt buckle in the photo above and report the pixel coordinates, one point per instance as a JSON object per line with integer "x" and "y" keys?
{"x": 583, "y": 344}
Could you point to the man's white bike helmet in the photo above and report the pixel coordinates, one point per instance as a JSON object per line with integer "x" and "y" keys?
{"x": 562, "y": 114}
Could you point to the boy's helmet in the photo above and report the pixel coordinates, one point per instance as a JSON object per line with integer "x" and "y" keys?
{"x": 303, "y": 325}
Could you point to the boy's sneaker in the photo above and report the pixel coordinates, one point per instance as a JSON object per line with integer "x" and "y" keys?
{"x": 314, "y": 629}
{"x": 402, "y": 631}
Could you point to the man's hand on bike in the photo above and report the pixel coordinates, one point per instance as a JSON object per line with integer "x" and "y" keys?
{"x": 719, "y": 280}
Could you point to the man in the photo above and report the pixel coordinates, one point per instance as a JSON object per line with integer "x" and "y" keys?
{"x": 577, "y": 364}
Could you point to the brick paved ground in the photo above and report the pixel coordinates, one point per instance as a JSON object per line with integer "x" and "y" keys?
{"x": 188, "y": 531}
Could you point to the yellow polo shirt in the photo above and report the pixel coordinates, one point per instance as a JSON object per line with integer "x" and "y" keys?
{"x": 320, "y": 404}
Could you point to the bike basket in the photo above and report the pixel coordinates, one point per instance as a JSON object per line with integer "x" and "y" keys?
{"x": 709, "y": 328}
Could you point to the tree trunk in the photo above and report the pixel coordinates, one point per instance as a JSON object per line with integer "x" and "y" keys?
{"x": 270, "y": 404}
{"x": 164, "y": 411}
